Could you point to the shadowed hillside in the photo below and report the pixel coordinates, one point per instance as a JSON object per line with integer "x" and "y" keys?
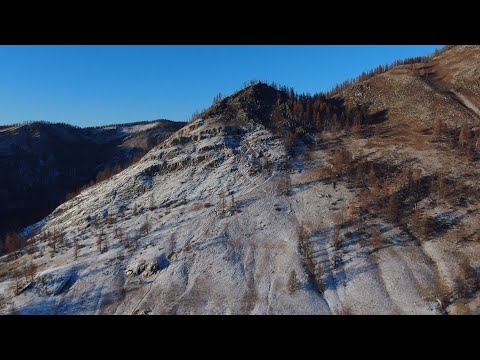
{"x": 41, "y": 162}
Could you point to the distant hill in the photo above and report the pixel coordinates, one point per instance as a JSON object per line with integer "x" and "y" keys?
{"x": 42, "y": 162}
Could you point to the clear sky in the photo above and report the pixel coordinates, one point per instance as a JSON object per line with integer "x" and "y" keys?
{"x": 95, "y": 85}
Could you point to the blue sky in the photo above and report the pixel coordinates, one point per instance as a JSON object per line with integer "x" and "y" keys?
{"x": 95, "y": 85}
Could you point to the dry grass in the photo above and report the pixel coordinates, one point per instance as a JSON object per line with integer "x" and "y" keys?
{"x": 198, "y": 206}
{"x": 346, "y": 310}
{"x": 308, "y": 155}
{"x": 248, "y": 301}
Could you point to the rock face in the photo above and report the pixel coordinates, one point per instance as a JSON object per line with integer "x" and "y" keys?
{"x": 224, "y": 218}
{"x": 142, "y": 267}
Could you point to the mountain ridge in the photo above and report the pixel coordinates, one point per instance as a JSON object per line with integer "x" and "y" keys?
{"x": 363, "y": 202}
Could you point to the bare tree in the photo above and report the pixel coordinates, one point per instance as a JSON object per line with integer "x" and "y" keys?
{"x": 25, "y": 267}
{"x": 217, "y": 98}
{"x": 365, "y": 200}
{"x": 373, "y": 182}
{"x": 53, "y": 245}
{"x": 417, "y": 219}
{"x": 222, "y": 204}
{"x": 116, "y": 232}
{"x": 61, "y": 237}
{"x": 318, "y": 276}
{"x": 377, "y": 238}
{"x": 438, "y": 128}
{"x": 152, "y": 203}
{"x": 341, "y": 162}
{"x": 471, "y": 153}
{"x": 95, "y": 222}
{"x": 464, "y": 136}
{"x": 284, "y": 185}
{"x": 441, "y": 187}
{"x": 357, "y": 125}
{"x": 105, "y": 245}
{"x": 336, "y": 237}
{"x": 127, "y": 242}
{"x": 135, "y": 209}
{"x": 99, "y": 242}
{"x": 304, "y": 245}
{"x": 267, "y": 164}
{"x": 292, "y": 283}
{"x": 145, "y": 229}
{"x": 468, "y": 280}
{"x": 75, "y": 248}
{"x": 17, "y": 282}
{"x": 30, "y": 271}
{"x": 392, "y": 208}
{"x": 135, "y": 240}
{"x": 352, "y": 210}
{"x": 122, "y": 211}
{"x": 171, "y": 247}
{"x": 337, "y": 219}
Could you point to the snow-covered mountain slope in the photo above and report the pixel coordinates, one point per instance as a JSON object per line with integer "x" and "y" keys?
{"x": 223, "y": 237}
{"x": 231, "y": 216}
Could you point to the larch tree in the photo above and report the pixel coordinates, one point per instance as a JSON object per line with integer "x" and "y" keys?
{"x": 152, "y": 203}
{"x": 99, "y": 242}
{"x": 377, "y": 238}
{"x": 352, "y": 210}
{"x": 31, "y": 271}
{"x": 464, "y": 136}
{"x": 17, "y": 282}
{"x": 222, "y": 204}
{"x": 146, "y": 226}
{"x": 471, "y": 152}
{"x": 292, "y": 283}
{"x": 135, "y": 209}
{"x": 335, "y": 123}
{"x": 417, "y": 219}
{"x": 437, "y": 128}
{"x": 217, "y": 98}
{"x": 336, "y": 237}
{"x": 75, "y": 248}
{"x": 365, "y": 200}
{"x": 357, "y": 125}
{"x": 373, "y": 182}
{"x": 392, "y": 208}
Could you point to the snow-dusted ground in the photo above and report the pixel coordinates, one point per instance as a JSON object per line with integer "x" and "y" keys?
{"x": 138, "y": 128}
{"x": 200, "y": 262}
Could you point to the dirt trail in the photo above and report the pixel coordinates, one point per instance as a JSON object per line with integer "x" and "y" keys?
{"x": 465, "y": 101}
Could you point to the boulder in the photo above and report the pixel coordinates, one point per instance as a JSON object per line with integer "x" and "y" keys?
{"x": 151, "y": 268}
{"x": 135, "y": 268}
{"x": 141, "y": 266}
